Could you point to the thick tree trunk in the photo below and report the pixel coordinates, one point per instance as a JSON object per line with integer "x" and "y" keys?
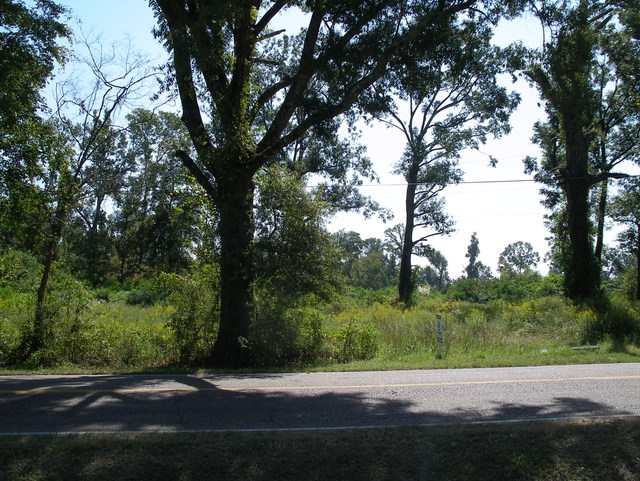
{"x": 235, "y": 204}
{"x": 405, "y": 284}
{"x": 582, "y": 277}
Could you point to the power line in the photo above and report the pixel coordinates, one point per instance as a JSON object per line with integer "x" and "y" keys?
{"x": 404, "y": 184}
{"x": 504, "y": 181}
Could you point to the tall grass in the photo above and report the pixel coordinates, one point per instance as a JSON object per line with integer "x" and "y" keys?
{"x": 367, "y": 330}
{"x": 498, "y": 332}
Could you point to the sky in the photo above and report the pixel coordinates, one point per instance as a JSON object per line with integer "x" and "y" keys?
{"x": 499, "y": 212}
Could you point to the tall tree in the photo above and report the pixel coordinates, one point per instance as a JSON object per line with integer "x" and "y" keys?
{"x": 564, "y": 76}
{"x": 475, "y": 269}
{"x": 626, "y": 210}
{"x": 518, "y": 257}
{"x": 88, "y": 241}
{"x": 30, "y": 48}
{"x": 216, "y": 49}
{"x": 436, "y": 273}
{"x": 454, "y": 102}
{"x": 161, "y": 213}
{"x": 83, "y": 125}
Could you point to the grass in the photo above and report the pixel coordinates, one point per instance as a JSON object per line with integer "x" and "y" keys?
{"x": 578, "y": 450}
{"x": 112, "y": 335}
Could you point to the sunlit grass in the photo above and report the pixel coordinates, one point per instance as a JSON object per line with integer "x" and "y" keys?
{"x": 113, "y": 335}
{"x": 119, "y": 311}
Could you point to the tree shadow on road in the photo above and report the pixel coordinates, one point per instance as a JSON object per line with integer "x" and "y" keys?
{"x": 419, "y": 442}
{"x": 248, "y": 402}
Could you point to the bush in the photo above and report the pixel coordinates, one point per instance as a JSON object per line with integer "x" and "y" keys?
{"x": 147, "y": 292}
{"x": 357, "y": 341}
{"x": 619, "y": 322}
{"x": 194, "y": 323}
{"x": 284, "y": 335}
{"x": 63, "y": 318}
{"x": 472, "y": 290}
{"x": 9, "y": 339}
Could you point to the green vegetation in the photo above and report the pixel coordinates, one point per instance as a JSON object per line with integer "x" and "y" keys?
{"x": 581, "y": 450}
{"x": 132, "y": 238}
{"x": 168, "y": 322}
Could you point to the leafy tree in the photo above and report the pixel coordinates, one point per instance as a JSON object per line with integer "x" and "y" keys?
{"x": 71, "y": 153}
{"x": 574, "y": 96}
{"x": 518, "y": 257}
{"x": 297, "y": 267}
{"x": 368, "y": 263}
{"x": 29, "y": 51}
{"x": 618, "y": 118}
{"x": 216, "y": 51}
{"x": 626, "y": 210}
{"x": 436, "y": 273}
{"x": 475, "y": 269}
{"x": 294, "y": 253}
{"x": 162, "y": 214}
{"x": 89, "y": 246}
{"x": 454, "y": 102}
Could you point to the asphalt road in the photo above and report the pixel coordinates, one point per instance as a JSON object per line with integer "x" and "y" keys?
{"x": 184, "y": 403}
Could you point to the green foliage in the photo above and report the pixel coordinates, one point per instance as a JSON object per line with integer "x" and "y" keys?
{"x": 518, "y": 257}
{"x": 9, "y": 333}
{"x": 471, "y": 290}
{"x": 366, "y": 263}
{"x": 19, "y": 274}
{"x": 194, "y": 322}
{"x": 19, "y": 271}
{"x": 297, "y": 269}
{"x": 147, "y": 291}
{"x": 28, "y": 54}
{"x": 78, "y": 329}
{"x": 356, "y": 341}
{"x": 163, "y": 216}
{"x": 294, "y": 255}
{"x": 625, "y": 209}
{"x": 64, "y": 314}
{"x": 475, "y": 269}
{"x": 370, "y": 271}
{"x": 619, "y": 321}
{"x": 583, "y": 76}
{"x": 511, "y": 288}
{"x": 286, "y": 335}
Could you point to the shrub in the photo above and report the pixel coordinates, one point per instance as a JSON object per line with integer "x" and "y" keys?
{"x": 147, "y": 292}
{"x": 550, "y": 315}
{"x": 65, "y": 306}
{"x": 472, "y": 290}
{"x": 9, "y": 339}
{"x": 284, "y": 335}
{"x": 195, "y": 320}
{"x": 620, "y": 322}
{"x": 357, "y": 341}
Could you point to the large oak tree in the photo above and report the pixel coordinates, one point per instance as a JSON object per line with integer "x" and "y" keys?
{"x": 216, "y": 48}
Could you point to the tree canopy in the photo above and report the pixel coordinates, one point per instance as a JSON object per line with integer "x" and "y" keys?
{"x": 217, "y": 49}
{"x": 582, "y": 79}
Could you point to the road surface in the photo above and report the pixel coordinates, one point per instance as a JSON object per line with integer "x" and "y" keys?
{"x": 300, "y": 401}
